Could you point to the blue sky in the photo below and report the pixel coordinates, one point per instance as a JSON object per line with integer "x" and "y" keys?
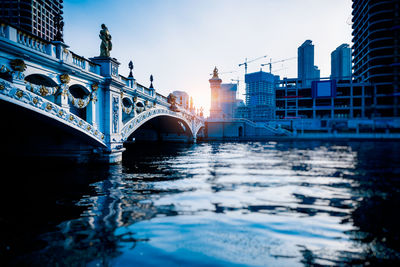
{"x": 180, "y": 41}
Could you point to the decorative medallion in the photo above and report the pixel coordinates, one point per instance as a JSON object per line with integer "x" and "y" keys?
{"x": 35, "y": 100}
{"x": 60, "y": 113}
{"x": 2, "y": 87}
{"x": 71, "y": 118}
{"x": 64, "y": 78}
{"x": 49, "y": 106}
{"x": 43, "y": 91}
{"x": 95, "y": 86}
{"x": 88, "y": 127}
{"x": 81, "y": 103}
{"x": 80, "y": 123}
{"x": 135, "y": 99}
{"x": 19, "y": 94}
{"x": 18, "y": 65}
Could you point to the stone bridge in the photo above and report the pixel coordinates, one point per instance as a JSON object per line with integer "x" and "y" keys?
{"x": 55, "y": 103}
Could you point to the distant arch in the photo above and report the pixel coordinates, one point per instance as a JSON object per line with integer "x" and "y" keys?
{"x": 135, "y": 123}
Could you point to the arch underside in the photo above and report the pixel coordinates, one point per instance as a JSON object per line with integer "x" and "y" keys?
{"x": 33, "y": 134}
{"x": 23, "y": 104}
{"x": 157, "y": 124}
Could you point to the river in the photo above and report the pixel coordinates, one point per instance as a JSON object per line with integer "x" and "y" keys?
{"x": 207, "y": 204}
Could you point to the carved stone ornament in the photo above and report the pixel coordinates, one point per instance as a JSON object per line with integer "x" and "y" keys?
{"x": 95, "y": 86}
{"x": 64, "y": 78}
{"x": 18, "y": 65}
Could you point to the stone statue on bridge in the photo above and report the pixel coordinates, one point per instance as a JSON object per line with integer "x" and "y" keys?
{"x": 106, "y": 45}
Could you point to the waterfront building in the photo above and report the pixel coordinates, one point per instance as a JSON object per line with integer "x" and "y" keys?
{"x": 306, "y": 70}
{"x": 260, "y": 95}
{"x": 33, "y": 16}
{"x": 341, "y": 63}
{"x": 182, "y": 98}
{"x": 376, "y": 52}
{"x": 328, "y": 105}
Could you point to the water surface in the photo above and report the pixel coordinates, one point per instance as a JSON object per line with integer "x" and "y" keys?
{"x": 215, "y": 204}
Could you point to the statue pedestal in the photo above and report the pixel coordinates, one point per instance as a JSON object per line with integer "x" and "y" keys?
{"x": 108, "y": 66}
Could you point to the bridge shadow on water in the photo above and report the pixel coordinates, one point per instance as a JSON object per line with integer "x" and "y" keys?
{"x": 57, "y": 214}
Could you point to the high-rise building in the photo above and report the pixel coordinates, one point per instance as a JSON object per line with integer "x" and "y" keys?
{"x": 341, "y": 63}
{"x": 376, "y": 52}
{"x": 260, "y": 95}
{"x": 306, "y": 70}
{"x": 228, "y": 99}
{"x": 37, "y": 17}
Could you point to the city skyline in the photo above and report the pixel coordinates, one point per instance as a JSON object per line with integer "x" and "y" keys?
{"x": 180, "y": 42}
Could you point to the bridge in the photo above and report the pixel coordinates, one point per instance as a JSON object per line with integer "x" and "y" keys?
{"x": 55, "y": 103}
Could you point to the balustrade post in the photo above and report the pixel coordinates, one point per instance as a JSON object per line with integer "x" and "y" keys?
{"x": 62, "y": 100}
{"x": 12, "y": 34}
{"x": 91, "y": 113}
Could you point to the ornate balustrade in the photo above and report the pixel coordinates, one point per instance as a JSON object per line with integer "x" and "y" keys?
{"x": 78, "y": 61}
{"x": 31, "y": 42}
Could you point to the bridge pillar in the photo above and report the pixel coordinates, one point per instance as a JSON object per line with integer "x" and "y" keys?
{"x": 112, "y": 107}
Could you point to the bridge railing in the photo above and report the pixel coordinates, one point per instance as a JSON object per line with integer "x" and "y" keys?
{"x": 48, "y": 48}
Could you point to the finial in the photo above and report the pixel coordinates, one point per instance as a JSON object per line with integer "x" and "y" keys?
{"x": 215, "y": 73}
{"x": 151, "y": 81}
{"x": 131, "y": 68}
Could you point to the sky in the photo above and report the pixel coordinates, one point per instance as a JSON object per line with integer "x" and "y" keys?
{"x": 180, "y": 42}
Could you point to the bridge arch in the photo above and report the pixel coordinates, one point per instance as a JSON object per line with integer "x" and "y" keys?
{"x": 165, "y": 124}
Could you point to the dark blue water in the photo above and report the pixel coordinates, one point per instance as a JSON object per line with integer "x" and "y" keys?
{"x": 215, "y": 204}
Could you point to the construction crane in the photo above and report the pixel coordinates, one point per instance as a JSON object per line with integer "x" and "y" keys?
{"x": 270, "y": 62}
{"x": 247, "y": 62}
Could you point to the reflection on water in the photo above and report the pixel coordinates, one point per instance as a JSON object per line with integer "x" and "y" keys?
{"x": 261, "y": 204}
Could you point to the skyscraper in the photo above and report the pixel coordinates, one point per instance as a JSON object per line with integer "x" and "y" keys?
{"x": 228, "y": 99}
{"x": 341, "y": 63}
{"x": 306, "y": 70}
{"x": 260, "y": 95}
{"x": 34, "y": 16}
{"x": 376, "y": 52}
